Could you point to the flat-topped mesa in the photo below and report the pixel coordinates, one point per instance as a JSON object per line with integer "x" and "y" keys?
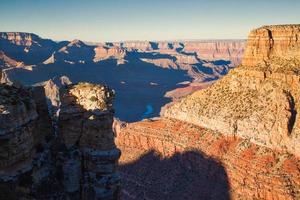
{"x": 267, "y": 42}
{"x": 259, "y": 100}
{"x": 85, "y": 125}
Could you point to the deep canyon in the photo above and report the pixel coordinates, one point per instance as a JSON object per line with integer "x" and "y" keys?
{"x": 141, "y": 72}
{"x": 230, "y": 132}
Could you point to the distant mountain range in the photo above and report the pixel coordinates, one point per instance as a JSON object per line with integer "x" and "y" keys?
{"x": 141, "y": 72}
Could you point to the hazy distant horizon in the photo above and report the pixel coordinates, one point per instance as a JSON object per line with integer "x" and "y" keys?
{"x": 170, "y": 40}
{"x": 137, "y": 20}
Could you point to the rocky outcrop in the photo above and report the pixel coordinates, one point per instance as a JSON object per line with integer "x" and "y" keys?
{"x": 90, "y": 157}
{"x": 76, "y": 161}
{"x": 18, "y": 116}
{"x": 272, "y": 41}
{"x": 52, "y": 87}
{"x": 25, "y": 137}
{"x": 259, "y": 103}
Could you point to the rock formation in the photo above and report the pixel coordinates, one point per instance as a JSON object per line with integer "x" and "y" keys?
{"x": 25, "y": 134}
{"x": 258, "y": 100}
{"x": 245, "y": 124}
{"x": 272, "y": 41}
{"x": 85, "y": 127}
{"x": 76, "y": 161}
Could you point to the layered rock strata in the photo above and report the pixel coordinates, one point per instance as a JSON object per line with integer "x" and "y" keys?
{"x": 259, "y": 100}
{"x": 90, "y": 157}
{"x": 171, "y": 159}
{"x": 272, "y": 41}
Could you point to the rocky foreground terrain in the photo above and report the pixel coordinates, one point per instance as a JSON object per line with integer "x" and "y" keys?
{"x": 72, "y": 157}
{"x": 136, "y": 70}
{"x": 237, "y": 139}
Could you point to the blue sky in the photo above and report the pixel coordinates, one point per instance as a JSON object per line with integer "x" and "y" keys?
{"x": 118, "y": 20}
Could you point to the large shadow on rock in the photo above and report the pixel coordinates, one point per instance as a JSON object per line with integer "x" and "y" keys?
{"x": 139, "y": 85}
{"x": 190, "y": 175}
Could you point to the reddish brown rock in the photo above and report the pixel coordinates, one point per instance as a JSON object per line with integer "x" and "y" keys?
{"x": 150, "y": 150}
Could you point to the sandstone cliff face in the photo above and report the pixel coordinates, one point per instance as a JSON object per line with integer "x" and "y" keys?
{"x": 259, "y": 103}
{"x": 85, "y": 128}
{"x": 272, "y": 41}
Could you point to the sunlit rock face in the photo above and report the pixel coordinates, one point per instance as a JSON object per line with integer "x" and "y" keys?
{"x": 272, "y": 41}
{"x": 258, "y": 100}
{"x": 85, "y": 128}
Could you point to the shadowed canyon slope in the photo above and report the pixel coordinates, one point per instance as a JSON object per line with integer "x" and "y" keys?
{"x": 140, "y": 72}
{"x": 247, "y": 122}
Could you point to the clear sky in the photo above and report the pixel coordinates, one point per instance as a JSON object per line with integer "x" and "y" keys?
{"x": 119, "y": 20}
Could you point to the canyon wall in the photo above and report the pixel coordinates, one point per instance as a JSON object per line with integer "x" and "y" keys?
{"x": 272, "y": 41}
{"x": 260, "y": 102}
{"x": 239, "y": 136}
{"x": 230, "y": 50}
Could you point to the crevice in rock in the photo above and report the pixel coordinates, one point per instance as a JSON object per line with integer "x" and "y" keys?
{"x": 293, "y": 111}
